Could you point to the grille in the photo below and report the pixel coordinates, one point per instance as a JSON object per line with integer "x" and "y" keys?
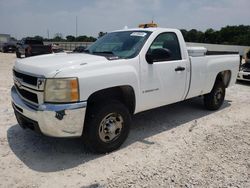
{"x": 246, "y": 76}
{"x": 26, "y": 78}
{"x": 27, "y": 95}
{"x": 246, "y": 69}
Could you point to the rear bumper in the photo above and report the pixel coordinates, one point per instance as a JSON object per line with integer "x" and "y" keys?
{"x": 56, "y": 120}
{"x": 243, "y": 76}
{"x": 9, "y": 48}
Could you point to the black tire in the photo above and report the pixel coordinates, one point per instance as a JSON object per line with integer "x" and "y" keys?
{"x": 26, "y": 54}
{"x": 18, "y": 55}
{"x": 95, "y": 127}
{"x": 215, "y": 99}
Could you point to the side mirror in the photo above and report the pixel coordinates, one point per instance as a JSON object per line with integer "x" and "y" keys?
{"x": 158, "y": 54}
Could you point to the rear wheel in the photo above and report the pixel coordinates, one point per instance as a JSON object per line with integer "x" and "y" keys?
{"x": 26, "y": 54}
{"x": 107, "y": 126}
{"x": 215, "y": 99}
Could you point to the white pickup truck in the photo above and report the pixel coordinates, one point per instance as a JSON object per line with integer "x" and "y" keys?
{"x": 94, "y": 94}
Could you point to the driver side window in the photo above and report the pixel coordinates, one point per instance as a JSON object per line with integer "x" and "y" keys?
{"x": 168, "y": 41}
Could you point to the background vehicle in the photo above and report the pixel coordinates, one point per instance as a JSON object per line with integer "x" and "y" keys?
{"x": 247, "y": 58}
{"x": 8, "y": 46}
{"x": 31, "y": 47}
{"x": 244, "y": 73}
{"x": 56, "y": 48}
{"x": 79, "y": 49}
{"x": 94, "y": 94}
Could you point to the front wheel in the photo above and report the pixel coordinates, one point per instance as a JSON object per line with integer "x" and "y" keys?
{"x": 107, "y": 126}
{"x": 18, "y": 55}
{"x": 215, "y": 99}
{"x": 26, "y": 54}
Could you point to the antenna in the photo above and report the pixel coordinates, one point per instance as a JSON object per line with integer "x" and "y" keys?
{"x": 153, "y": 19}
{"x": 76, "y": 26}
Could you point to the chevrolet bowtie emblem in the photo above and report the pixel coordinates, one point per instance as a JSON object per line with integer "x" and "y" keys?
{"x": 39, "y": 83}
{"x": 18, "y": 83}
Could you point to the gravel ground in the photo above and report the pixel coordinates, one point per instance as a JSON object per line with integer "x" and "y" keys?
{"x": 180, "y": 145}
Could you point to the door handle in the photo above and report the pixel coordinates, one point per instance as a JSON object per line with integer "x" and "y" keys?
{"x": 180, "y": 69}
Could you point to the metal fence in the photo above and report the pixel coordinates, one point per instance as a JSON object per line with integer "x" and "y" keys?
{"x": 211, "y": 47}
{"x": 69, "y": 45}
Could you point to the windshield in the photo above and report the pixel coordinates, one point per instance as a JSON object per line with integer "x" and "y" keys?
{"x": 123, "y": 44}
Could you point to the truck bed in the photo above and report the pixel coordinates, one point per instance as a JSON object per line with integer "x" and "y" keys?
{"x": 204, "y": 68}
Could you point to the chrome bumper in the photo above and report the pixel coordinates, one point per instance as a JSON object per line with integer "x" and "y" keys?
{"x": 56, "y": 120}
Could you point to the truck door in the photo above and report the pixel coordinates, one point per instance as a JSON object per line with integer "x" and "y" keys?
{"x": 163, "y": 81}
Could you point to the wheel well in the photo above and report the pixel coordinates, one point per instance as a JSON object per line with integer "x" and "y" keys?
{"x": 225, "y": 77}
{"x": 124, "y": 94}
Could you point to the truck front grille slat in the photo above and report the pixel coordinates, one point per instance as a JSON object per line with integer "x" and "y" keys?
{"x": 246, "y": 77}
{"x": 26, "y": 78}
{"x": 27, "y": 95}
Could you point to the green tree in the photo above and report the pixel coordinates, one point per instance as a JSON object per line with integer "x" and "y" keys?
{"x": 192, "y": 36}
{"x": 232, "y": 35}
{"x": 92, "y": 39}
{"x": 184, "y": 33}
{"x": 82, "y": 38}
{"x": 37, "y": 37}
{"x": 70, "y": 38}
{"x": 58, "y": 37}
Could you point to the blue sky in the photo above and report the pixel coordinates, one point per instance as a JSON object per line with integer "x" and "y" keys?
{"x": 22, "y": 18}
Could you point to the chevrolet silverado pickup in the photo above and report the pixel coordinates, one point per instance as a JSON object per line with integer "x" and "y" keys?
{"x": 94, "y": 94}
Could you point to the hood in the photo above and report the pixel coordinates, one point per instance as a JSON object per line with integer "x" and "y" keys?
{"x": 50, "y": 65}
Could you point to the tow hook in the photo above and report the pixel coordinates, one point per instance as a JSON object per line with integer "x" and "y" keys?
{"x": 59, "y": 114}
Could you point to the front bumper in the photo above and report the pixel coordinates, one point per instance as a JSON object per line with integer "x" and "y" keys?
{"x": 243, "y": 76}
{"x": 56, "y": 120}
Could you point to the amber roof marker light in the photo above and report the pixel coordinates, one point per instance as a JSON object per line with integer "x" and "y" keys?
{"x": 147, "y": 25}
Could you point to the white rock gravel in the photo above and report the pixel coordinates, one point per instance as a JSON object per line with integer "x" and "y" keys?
{"x": 181, "y": 145}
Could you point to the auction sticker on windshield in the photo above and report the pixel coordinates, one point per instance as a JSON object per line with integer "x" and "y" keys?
{"x": 138, "y": 34}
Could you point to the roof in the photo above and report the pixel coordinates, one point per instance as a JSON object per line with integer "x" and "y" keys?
{"x": 151, "y": 29}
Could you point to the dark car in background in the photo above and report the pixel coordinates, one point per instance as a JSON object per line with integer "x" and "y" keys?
{"x": 31, "y": 47}
{"x": 8, "y": 46}
{"x": 79, "y": 49}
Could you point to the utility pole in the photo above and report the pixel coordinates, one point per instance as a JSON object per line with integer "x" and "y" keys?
{"x": 48, "y": 33}
{"x": 76, "y": 26}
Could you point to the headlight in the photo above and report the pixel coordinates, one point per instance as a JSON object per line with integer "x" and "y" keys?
{"x": 61, "y": 90}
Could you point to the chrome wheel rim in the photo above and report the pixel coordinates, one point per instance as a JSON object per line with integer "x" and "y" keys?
{"x": 110, "y": 127}
{"x": 218, "y": 95}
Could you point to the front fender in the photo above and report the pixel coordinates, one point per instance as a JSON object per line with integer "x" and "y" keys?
{"x": 107, "y": 78}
